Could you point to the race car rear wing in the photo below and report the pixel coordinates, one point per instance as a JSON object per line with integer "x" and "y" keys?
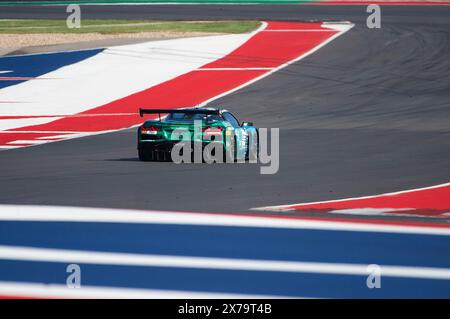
{"x": 170, "y": 111}
{"x": 185, "y": 111}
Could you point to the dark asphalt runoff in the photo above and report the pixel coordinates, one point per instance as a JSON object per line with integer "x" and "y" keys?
{"x": 369, "y": 113}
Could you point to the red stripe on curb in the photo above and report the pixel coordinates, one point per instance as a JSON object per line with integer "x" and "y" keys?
{"x": 264, "y": 49}
{"x": 283, "y": 25}
{"x": 435, "y": 198}
{"x": 261, "y": 51}
{"x": 427, "y": 202}
{"x": 11, "y": 137}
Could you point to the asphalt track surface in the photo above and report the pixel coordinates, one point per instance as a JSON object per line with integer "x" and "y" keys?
{"x": 369, "y": 113}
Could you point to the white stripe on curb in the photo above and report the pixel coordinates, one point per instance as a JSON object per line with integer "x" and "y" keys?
{"x": 105, "y": 215}
{"x": 27, "y": 142}
{"x": 124, "y": 259}
{"x": 15, "y": 289}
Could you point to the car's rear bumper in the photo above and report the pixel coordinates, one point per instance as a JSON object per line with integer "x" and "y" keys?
{"x": 162, "y": 151}
{"x": 167, "y": 146}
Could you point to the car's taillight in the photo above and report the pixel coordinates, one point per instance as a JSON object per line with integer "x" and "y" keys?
{"x": 212, "y": 130}
{"x": 150, "y": 130}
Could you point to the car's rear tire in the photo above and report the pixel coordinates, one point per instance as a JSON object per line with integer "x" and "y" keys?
{"x": 144, "y": 155}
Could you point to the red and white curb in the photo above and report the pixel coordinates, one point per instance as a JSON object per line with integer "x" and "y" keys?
{"x": 103, "y": 93}
{"x": 433, "y": 201}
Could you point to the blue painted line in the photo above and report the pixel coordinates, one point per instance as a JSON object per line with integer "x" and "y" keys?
{"x": 35, "y": 65}
{"x": 234, "y": 242}
{"x": 225, "y": 281}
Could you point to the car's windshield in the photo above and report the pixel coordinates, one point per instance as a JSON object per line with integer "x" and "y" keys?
{"x": 189, "y": 117}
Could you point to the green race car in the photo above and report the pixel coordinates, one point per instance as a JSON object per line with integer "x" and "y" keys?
{"x": 199, "y": 134}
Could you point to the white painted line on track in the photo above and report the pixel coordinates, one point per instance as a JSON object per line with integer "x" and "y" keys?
{"x": 10, "y": 124}
{"x": 300, "y": 30}
{"x": 68, "y": 115}
{"x": 16, "y": 289}
{"x": 43, "y": 132}
{"x": 236, "y": 69}
{"x": 106, "y": 215}
{"x": 376, "y": 212}
{"x": 125, "y": 259}
{"x": 27, "y": 142}
{"x": 7, "y": 147}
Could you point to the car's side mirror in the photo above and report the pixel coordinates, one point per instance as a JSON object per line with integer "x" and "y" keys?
{"x": 247, "y": 123}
